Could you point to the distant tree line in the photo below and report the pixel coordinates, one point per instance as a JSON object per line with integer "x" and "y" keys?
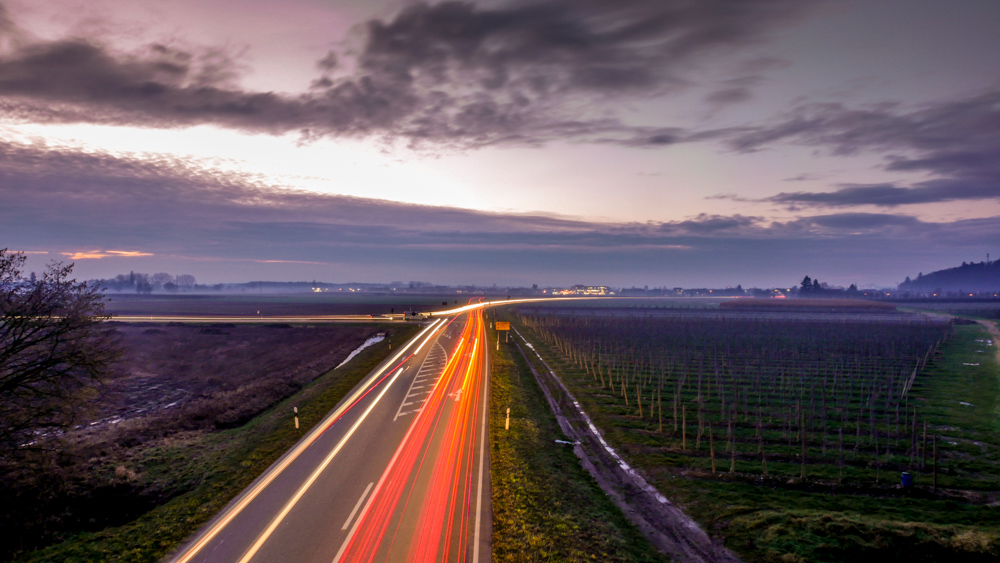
{"x": 146, "y": 283}
{"x": 814, "y": 288}
{"x": 970, "y": 277}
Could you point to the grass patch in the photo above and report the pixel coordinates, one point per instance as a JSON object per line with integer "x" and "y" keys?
{"x": 545, "y": 506}
{"x": 207, "y": 470}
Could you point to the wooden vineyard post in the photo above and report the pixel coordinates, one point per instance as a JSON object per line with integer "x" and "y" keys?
{"x": 684, "y": 428}
{"x": 732, "y": 458}
{"x": 802, "y": 432}
{"x": 659, "y": 409}
{"x": 638, "y": 398}
{"x": 729, "y": 434}
{"x": 711, "y": 448}
{"x": 759, "y": 415}
{"x": 934, "y": 479}
{"x": 763, "y": 455}
{"x": 840, "y": 479}
{"x": 923, "y": 463}
{"x": 676, "y": 398}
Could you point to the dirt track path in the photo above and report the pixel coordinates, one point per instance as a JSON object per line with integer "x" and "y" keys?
{"x": 663, "y": 523}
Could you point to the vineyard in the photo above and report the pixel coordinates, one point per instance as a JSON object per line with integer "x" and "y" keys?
{"x": 789, "y": 433}
{"x": 779, "y": 398}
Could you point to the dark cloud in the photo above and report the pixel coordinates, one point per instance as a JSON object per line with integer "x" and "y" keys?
{"x": 68, "y": 201}
{"x": 705, "y": 224}
{"x": 729, "y": 96}
{"x": 891, "y": 195}
{"x": 852, "y": 222}
{"x": 451, "y": 72}
{"x": 957, "y": 142}
{"x": 801, "y": 178}
{"x": 735, "y": 90}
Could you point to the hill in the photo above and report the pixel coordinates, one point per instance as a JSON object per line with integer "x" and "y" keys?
{"x": 975, "y": 277}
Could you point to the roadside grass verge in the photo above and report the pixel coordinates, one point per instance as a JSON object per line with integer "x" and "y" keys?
{"x": 203, "y": 471}
{"x": 546, "y": 507}
{"x": 775, "y": 518}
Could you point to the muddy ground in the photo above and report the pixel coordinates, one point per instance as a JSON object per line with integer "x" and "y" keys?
{"x": 185, "y": 377}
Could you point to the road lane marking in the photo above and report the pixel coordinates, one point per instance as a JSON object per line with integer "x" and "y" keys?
{"x": 482, "y": 451}
{"x": 312, "y": 478}
{"x": 431, "y": 364}
{"x": 382, "y": 479}
{"x": 282, "y": 464}
{"x": 357, "y": 506}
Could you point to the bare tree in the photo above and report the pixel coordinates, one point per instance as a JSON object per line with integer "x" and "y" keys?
{"x": 185, "y": 281}
{"x": 53, "y": 348}
{"x": 161, "y": 279}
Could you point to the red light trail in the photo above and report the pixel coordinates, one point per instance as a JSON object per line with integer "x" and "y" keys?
{"x": 420, "y": 509}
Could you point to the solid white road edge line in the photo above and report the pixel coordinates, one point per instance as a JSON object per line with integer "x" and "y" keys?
{"x": 315, "y": 475}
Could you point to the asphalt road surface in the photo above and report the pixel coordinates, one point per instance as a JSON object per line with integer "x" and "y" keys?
{"x": 398, "y": 472}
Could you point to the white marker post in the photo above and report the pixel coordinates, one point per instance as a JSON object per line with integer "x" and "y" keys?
{"x": 296, "y": 411}
{"x": 506, "y": 425}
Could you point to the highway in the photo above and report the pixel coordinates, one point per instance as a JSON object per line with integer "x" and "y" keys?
{"x": 399, "y": 471}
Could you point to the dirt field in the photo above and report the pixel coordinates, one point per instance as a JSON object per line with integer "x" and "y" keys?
{"x": 185, "y": 377}
{"x": 285, "y": 304}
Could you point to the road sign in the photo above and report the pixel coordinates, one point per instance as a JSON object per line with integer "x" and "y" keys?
{"x": 503, "y": 326}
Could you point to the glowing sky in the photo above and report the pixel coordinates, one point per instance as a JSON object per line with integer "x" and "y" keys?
{"x": 658, "y": 143}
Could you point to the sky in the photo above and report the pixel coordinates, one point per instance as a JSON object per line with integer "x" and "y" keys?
{"x": 639, "y": 143}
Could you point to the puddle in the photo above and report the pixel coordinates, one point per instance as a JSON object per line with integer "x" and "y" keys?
{"x": 371, "y": 341}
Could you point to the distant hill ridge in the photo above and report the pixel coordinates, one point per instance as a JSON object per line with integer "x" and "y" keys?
{"x": 971, "y": 277}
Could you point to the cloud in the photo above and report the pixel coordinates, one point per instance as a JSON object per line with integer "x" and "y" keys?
{"x": 735, "y": 90}
{"x": 172, "y": 210}
{"x": 453, "y": 73}
{"x": 729, "y": 96}
{"x": 854, "y": 222}
{"x": 705, "y": 224}
{"x": 891, "y": 195}
{"x": 957, "y": 142}
{"x": 98, "y": 254}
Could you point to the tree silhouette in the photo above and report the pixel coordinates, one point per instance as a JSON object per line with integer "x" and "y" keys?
{"x": 53, "y": 348}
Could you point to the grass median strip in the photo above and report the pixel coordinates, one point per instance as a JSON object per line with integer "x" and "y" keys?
{"x": 545, "y": 506}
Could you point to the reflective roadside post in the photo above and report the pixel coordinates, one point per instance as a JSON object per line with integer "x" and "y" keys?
{"x": 504, "y": 326}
